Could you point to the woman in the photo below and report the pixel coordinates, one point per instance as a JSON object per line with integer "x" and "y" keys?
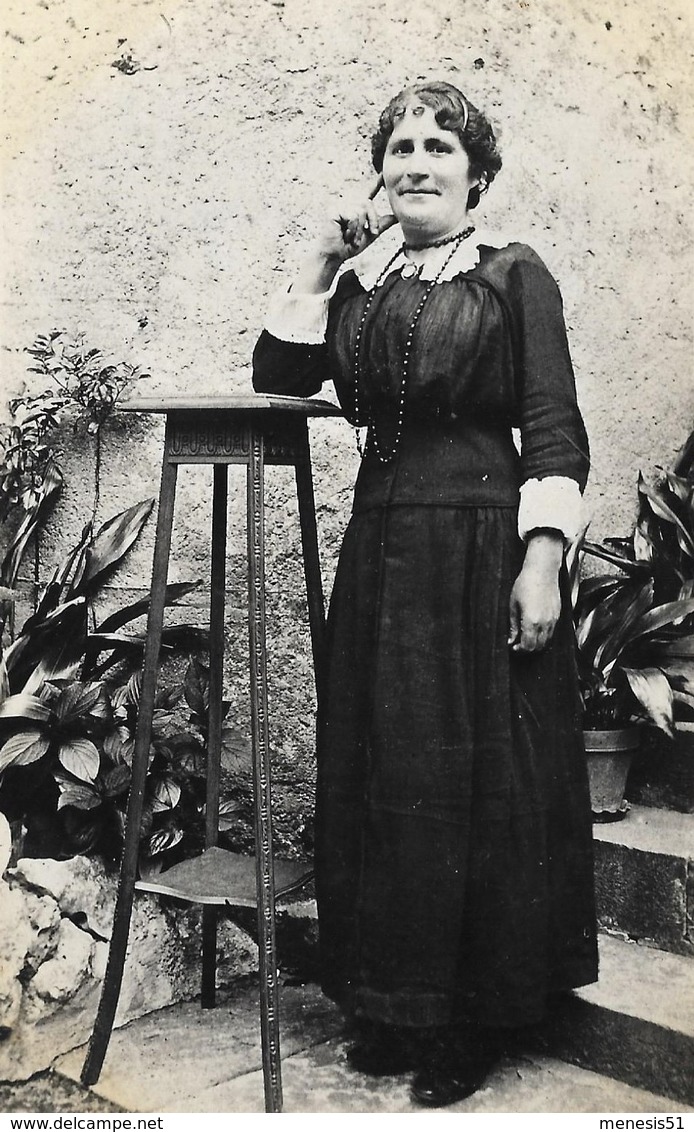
{"x": 453, "y": 836}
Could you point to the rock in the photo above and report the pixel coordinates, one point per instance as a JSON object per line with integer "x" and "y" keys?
{"x": 15, "y": 939}
{"x": 57, "y": 918}
{"x": 80, "y": 886}
{"x": 43, "y": 916}
{"x": 61, "y": 976}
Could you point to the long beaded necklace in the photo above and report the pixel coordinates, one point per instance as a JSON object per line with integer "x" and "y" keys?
{"x": 386, "y": 456}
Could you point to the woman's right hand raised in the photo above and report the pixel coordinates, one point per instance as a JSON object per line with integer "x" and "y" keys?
{"x": 348, "y": 231}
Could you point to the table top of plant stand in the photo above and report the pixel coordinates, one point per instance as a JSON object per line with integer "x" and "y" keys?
{"x": 236, "y": 402}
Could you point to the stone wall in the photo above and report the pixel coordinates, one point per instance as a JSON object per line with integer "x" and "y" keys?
{"x": 56, "y": 921}
{"x": 153, "y": 206}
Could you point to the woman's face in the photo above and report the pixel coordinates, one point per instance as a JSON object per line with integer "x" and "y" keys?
{"x": 426, "y": 172}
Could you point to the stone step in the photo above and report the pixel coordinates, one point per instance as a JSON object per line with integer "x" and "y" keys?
{"x": 635, "y": 1025}
{"x": 644, "y": 877}
{"x": 319, "y": 1079}
{"x": 184, "y": 1059}
{"x": 662, "y": 773}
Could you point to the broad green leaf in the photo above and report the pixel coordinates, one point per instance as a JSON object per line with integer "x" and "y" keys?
{"x": 119, "y": 746}
{"x": 662, "y": 509}
{"x": 628, "y": 565}
{"x": 164, "y": 795}
{"x": 197, "y": 687}
{"x": 80, "y": 757}
{"x": 669, "y": 613}
{"x": 133, "y": 688}
{"x": 79, "y": 700}
{"x": 56, "y": 590}
{"x": 680, "y": 487}
{"x": 231, "y": 806}
{"x": 680, "y": 646}
{"x": 616, "y": 617}
{"x": 679, "y": 671}
{"x": 77, "y": 795}
{"x": 52, "y": 483}
{"x": 4, "y": 678}
{"x": 103, "y": 642}
{"x": 22, "y": 749}
{"x": 592, "y": 592}
{"x": 174, "y": 592}
{"x": 24, "y": 706}
{"x": 230, "y": 813}
{"x": 684, "y": 460}
{"x": 187, "y": 752}
{"x": 116, "y": 781}
{"x": 653, "y": 691}
{"x": 237, "y": 753}
{"x": 187, "y": 638}
{"x": 113, "y": 540}
{"x": 574, "y": 556}
{"x": 52, "y": 651}
{"x": 643, "y": 547}
{"x": 162, "y": 840}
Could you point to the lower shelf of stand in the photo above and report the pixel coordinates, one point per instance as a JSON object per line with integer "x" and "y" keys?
{"x": 218, "y": 876}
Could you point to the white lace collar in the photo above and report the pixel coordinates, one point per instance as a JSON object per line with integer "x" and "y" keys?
{"x": 370, "y": 264}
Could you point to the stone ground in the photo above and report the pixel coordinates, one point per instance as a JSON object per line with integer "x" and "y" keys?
{"x": 145, "y": 1070}
{"x": 51, "y": 1092}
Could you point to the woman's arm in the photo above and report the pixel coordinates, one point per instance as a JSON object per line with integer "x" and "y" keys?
{"x": 554, "y": 453}
{"x": 291, "y": 356}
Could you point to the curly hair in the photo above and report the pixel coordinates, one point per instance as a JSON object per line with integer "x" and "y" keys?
{"x": 452, "y": 111}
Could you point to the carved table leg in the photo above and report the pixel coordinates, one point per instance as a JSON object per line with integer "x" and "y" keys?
{"x": 128, "y": 873}
{"x": 269, "y": 996}
{"x": 214, "y": 728}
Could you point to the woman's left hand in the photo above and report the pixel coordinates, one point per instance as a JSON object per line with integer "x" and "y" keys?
{"x": 535, "y": 599}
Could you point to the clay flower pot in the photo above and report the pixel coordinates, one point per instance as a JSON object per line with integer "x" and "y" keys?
{"x": 609, "y": 755}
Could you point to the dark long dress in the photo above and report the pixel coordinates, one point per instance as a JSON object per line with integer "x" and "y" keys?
{"x": 453, "y": 835}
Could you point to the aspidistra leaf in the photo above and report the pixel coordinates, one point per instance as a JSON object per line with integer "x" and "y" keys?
{"x": 652, "y": 689}
{"x": 662, "y": 509}
{"x": 25, "y": 706}
{"x": 174, "y": 592}
{"x": 113, "y": 539}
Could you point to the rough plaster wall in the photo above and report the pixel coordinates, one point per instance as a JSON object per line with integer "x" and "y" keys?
{"x": 154, "y": 212}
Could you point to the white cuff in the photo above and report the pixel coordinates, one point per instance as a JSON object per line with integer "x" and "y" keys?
{"x": 296, "y": 316}
{"x": 553, "y": 502}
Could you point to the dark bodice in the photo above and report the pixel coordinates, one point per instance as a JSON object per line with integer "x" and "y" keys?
{"x": 489, "y": 353}
{"x": 460, "y": 362}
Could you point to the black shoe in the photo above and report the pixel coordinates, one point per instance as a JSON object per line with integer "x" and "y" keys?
{"x": 449, "y": 1076}
{"x": 436, "y": 1088}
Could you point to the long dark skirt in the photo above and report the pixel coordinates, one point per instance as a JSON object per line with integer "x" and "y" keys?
{"x": 454, "y": 849}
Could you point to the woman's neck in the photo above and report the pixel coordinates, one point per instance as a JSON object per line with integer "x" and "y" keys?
{"x": 423, "y": 248}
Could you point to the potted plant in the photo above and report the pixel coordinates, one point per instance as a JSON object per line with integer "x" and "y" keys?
{"x": 635, "y": 631}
